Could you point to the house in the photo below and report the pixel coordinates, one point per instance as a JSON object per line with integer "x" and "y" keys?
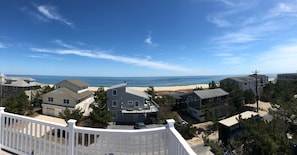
{"x": 212, "y": 100}
{"x": 288, "y": 77}
{"x": 180, "y": 103}
{"x": 249, "y": 82}
{"x": 14, "y": 85}
{"x": 230, "y": 126}
{"x": 129, "y": 106}
{"x": 71, "y": 94}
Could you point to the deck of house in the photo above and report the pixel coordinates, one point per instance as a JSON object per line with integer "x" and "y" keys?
{"x": 28, "y": 136}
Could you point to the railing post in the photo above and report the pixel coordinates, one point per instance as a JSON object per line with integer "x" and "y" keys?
{"x": 70, "y": 128}
{"x": 1, "y": 111}
{"x": 171, "y": 139}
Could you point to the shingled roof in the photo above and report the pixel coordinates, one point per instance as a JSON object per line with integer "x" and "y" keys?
{"x": 210, "y": 93}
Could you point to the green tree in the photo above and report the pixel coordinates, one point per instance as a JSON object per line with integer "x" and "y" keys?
{"x": 263, "y": 138}
{"x": 249, "y": 96}
{"x": 100, "y": 116}
{"x": 71, "y": 114}
{"x": 151, "y": 91}
{"x": 17, "y": 104}
{"x": 235, "y": 98}
{"x": 212, "y": 85}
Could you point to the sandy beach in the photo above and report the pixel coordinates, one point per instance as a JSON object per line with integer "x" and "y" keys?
{"x": 163, "y": 88}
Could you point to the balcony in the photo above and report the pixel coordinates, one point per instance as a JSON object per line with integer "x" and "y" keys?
{"x": 28, "y": 136}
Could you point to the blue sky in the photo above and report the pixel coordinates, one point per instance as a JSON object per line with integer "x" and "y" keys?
{"x": 147, "y": 38}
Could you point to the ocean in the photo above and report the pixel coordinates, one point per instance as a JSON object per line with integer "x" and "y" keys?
{"x": 133, "y": 81}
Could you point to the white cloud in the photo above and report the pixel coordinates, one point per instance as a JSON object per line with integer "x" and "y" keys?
{"x": 220, "y": 22}
{"x": 51, "y": 13}
{"x": 149, "y": 41}
{"x": 250, "y": 26}
{"x": 146, "y": 62}
{"x": 2, "y": 45}
{"x": 281, "y": 58}
{"x": 59, "y": 42}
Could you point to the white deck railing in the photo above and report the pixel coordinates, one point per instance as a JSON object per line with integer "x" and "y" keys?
{"x": 25, "y": 135}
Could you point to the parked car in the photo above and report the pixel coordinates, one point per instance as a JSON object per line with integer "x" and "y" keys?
{"x": 181, "y": 123}
{"x": 139, "y": 125}
{"x": 200, "y": 130}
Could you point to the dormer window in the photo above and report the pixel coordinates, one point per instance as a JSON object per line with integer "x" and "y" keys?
{"x": 66, "y": 101}
{"x": 50, "y": 99}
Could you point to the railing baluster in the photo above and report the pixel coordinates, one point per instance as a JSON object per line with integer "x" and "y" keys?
{"x": 76, "y": 141}
{"x": 30, "y": 137}
{"x": 89, "y": 143}
{"x": 159, "y": 143}
{"x": 50, "y": 140}
{"x": 22, "y": 133}
{"x": 13, "y": 135}
{"x": 44, "y": 139}
{"x": 83, "y": 143}
{"x": 10, "y": 137}
{"x": 40, "y": 138}
{"x": 55, "y": 143}
{"x": 146, "y": 144}
{"x": 27, "y": 131}
{"x": 140, "y": 144}
{"x": 35, "y": 137}
{"x": 61, "y": 140}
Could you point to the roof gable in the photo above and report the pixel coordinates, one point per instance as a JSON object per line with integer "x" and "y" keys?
{"x": 76, "y": 82}
{"x": 118, "y": 86}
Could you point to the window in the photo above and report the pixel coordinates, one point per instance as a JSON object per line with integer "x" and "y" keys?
{"x": 130, "y": 102}
{"x": 66, "y": 101}
{"x": 15, "y": 88}
{"x": 50, "y": 99}
{"x": 114, "y": 92}
{"x": 136, "y": 103}
{"x": 219, "y": 98}
{"x": 114, "y": 103}
{"x": 6, "y": 88}
{"x": 210, "y": 99}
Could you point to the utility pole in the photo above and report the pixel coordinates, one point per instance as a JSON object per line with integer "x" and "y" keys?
{"x": 257, "y": 97}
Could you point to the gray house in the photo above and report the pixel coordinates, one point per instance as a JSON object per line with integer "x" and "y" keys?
{"x": 212, "y": 100}
{"x": 14, "y": 85}
{"x": 71, "y": 94}
{"x": 287, "y": 77}
{"x": 249, "y": 82}
{"x": 129, "y": 106}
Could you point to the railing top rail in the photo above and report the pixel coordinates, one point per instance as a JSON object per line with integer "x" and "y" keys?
{"x": 33, "y": 120}
{"x": 120, "y": 131}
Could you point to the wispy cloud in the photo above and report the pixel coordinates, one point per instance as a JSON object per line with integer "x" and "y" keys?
{"x": 2, "y": 45}
{"x": 281, "y": 57}
{"x": 240, "y": 28}
{"x": 59, "y": 42}
{"x": 146, "y": 62}
{"x": 51, "y": 13}
{"x": 149, "y": 41}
